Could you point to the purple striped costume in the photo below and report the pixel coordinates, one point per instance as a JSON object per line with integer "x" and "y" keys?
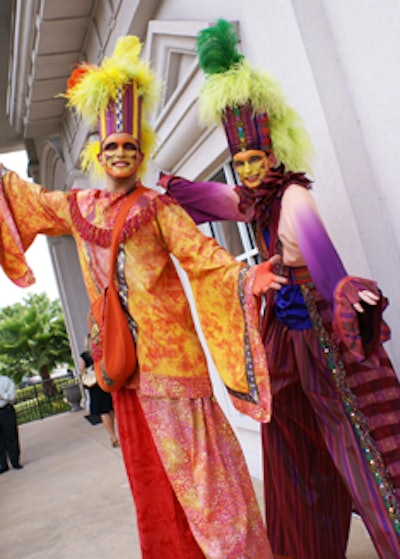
{"x": 333, "y": 445}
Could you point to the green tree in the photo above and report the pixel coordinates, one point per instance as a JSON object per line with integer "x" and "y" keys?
{"x": 33, "y": 338}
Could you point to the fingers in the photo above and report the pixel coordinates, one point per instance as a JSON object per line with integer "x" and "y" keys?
{"x": 274, "y": 259}
{"x": 278, "y": 281}
{"x": 368, "y": 297}
{"x": 275, "y": 283}
{"x": 270, "y": 263}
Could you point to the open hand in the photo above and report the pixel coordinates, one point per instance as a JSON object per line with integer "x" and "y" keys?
{"x": 265, "y": 277}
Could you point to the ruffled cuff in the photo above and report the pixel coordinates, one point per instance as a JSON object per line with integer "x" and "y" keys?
{"x": 361, "y": 333}
{"x": 164, "y": 180}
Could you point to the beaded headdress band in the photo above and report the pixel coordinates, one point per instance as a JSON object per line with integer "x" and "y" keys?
{"x": 122, "y": 114}
{"x": 246, "y": 130}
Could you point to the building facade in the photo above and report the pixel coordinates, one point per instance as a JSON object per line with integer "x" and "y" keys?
{"x": 337, "y": 63}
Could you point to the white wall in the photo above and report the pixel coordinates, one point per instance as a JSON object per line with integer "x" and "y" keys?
{"x": 366, "y": 34}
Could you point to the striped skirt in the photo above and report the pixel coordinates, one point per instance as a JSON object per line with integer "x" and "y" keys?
{"x": 333, "y": 445}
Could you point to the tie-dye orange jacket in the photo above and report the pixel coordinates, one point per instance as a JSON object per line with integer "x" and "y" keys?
{"x": 170, "y": 353}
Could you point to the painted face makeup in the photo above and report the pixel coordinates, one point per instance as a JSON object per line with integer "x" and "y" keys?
{"x": 252, "y": 167}
{"x": 120, "y": 155}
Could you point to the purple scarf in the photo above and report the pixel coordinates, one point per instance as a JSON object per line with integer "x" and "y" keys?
{"x": 262, "y": 198}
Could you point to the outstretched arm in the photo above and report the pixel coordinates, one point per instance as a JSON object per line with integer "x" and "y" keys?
{"x": 27, "y": 209}
{"x": 204, "y": 201}
{"x": 305, "y": 225}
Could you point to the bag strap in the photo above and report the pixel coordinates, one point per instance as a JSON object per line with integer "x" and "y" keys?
{"x": 118, "y": 225}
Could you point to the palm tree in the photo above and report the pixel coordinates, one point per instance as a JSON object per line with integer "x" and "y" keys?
{"x": 33, "y": 337}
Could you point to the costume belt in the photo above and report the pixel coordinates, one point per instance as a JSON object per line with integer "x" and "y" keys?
{"x": 298, "y": 275}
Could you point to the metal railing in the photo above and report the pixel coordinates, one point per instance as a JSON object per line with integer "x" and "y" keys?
{"x": 42, "y": 399}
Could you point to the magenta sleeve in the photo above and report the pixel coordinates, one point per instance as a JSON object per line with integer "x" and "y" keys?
{"x": 321, "y": 257}
{"x": 204, "y": 201}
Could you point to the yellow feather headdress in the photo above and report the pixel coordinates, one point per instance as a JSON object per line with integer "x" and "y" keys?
{"x": 118, "y": 96}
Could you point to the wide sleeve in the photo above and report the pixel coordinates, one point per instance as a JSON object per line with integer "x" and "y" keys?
{"x": 227, "y": 309}
{"x": 204, "y": 201}
{"x": 361, "y": 333}
{"x": 308, "y": 232}
{"x": 27, "y": 209}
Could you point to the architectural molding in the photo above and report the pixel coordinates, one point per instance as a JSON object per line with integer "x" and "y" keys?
{"x": 54, "y": 42}
{"x": 170, "y": 47}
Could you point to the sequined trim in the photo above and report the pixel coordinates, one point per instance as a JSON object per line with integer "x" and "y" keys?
{"x": 356, "y": 417}
{"x": 123, "y": 290}
{"x": 253, "y": 394}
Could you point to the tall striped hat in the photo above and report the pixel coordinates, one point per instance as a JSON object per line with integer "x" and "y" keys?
{"x": 122, "y": 114}
{"x": 245, "y": 129}
{"x": 116, "y": 96}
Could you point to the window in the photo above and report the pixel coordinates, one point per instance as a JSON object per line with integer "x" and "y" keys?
{"x": 237, "y": 238}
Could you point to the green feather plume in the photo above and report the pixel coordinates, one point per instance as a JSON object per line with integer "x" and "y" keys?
{"x": 216, "y": 48}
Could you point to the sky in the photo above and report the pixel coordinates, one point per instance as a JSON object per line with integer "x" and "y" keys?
{"x": 38, "y": 255}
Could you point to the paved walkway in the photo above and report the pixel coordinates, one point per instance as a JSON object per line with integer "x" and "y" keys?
{"x": 72, "y": 499}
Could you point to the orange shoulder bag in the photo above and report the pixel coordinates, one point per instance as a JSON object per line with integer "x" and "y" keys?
{"x": 113, "y": 345}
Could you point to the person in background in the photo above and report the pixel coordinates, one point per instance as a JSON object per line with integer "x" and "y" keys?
{"x": 100, "y": 402}
{"x": 193, "y": 493}
{"x": 334, "y": 439}
{"x": 9, "y": 438}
